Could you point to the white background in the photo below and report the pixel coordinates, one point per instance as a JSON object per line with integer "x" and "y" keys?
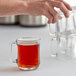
{"x": 71, "y": 2}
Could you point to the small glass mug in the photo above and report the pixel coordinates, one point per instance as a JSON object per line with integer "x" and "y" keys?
{"x": 27, "y": 54}
{"x": 65, "y": 26}
{"x": 63, "y": 36}
{"x": 63, "y": 47}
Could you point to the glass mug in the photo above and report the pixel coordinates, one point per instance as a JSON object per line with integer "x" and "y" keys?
{"x": 63, "y": 36}
{"x": 27, "y": 53}
{"x": 65, "y": 47}
{"x": 65, "y": 26}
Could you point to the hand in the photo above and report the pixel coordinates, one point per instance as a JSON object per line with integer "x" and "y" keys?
{"x": 46, "y": 8}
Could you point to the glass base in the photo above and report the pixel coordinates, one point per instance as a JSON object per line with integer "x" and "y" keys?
{"x": 54, "y": 55}
{"x": 28, "y": 69}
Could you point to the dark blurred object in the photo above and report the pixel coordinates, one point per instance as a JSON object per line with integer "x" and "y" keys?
{"x": 26, "y": 20}
{"x": 9, "y": 20}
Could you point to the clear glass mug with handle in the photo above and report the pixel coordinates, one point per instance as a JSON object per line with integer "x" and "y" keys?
{"x": 63, "y": 48}
{"x": 25, "y": 52}
{"x": 62, "y": 36}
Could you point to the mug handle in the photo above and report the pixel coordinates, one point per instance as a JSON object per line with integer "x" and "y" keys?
{"x": 14, "y": 60}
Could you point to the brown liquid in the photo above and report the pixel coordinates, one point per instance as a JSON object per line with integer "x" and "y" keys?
{"x": 28, "y": 56}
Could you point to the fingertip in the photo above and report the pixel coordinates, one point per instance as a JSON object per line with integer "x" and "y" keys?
{"x": 53, "y": 22}
{"x": 60, "y": 17}
{"x": 48, "y": 22}
{"x": 67, "y": 15}
{"x": 70, "y": 8}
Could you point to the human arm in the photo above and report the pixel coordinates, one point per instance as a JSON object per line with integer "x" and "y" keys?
{"x": 11, "y": 7}
{"x": 34, "y": 8}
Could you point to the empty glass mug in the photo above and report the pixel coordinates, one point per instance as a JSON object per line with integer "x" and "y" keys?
{"x": 63, "y": 37}
{"x": 27, "y": 54}
{"x": 64, "y": 47}
{"x": 65, "y": 26}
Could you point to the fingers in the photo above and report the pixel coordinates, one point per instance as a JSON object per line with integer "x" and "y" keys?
{"x": 49, "y": 16}
{"x": 56, "y": 15}
{"x": 67, "y": 5}
{"x": 51, "y": 13}
{"x": 61, "y": 6}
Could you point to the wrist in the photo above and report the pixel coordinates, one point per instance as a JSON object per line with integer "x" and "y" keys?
{"x": 22, "y": 7}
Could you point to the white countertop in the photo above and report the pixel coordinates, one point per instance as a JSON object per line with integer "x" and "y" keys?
{"x": 48, "y": 66}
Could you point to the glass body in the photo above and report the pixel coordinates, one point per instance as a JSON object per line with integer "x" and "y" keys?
{"x": 28, "y": 53}
{"x": 65, "y": 47}
{"x": 63, "y": 37}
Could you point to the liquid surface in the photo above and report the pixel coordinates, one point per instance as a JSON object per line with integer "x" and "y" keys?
{"x": 28, "y": 56}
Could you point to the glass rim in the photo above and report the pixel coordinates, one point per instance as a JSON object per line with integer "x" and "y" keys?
{"x": 70, "y": 13}
{"x": 28, "y": 39}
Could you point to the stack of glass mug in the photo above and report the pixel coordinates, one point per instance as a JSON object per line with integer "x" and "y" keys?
{"x": 63, "y": 37}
